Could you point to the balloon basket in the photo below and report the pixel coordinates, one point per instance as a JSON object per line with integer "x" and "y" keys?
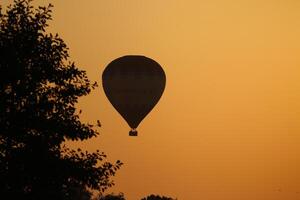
{"x": 133, "y": 133}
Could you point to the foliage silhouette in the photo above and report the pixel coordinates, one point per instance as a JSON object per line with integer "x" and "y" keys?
{"x": 39, "y": 88}
{"x": 157, "y": 197}
{"x": 112, "y": 196}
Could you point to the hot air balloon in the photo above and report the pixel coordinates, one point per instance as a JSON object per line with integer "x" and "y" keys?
{"x": 133, "y": 84}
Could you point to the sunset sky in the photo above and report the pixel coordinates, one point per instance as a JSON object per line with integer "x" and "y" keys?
{"x": 228, "y": 123}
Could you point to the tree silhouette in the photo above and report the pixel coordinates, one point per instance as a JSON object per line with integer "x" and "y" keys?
{"x": 39, "y": 88}
{"x": 157, "y": 197}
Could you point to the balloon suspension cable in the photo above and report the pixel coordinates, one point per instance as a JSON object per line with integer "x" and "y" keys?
{"x": 133, "y": 132}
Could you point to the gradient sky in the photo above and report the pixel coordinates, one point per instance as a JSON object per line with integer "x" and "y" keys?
{"x": 227, "y": 126}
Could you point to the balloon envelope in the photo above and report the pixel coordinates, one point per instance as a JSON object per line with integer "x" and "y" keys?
{"x": 133, "y": 84}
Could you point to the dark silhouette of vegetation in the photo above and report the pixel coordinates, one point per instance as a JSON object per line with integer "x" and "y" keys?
{"x": 112, "y": 196}
{"x": 39, "y": 88}
{"x": 157, "y": 197}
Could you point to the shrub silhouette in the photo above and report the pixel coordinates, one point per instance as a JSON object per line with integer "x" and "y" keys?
{"x": 157, "y": 197}
{"x": 39, "y": 88}
{"x": 112, "y": 196}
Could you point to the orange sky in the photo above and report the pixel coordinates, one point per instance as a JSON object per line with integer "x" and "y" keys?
{"x": 227, "y": 126}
